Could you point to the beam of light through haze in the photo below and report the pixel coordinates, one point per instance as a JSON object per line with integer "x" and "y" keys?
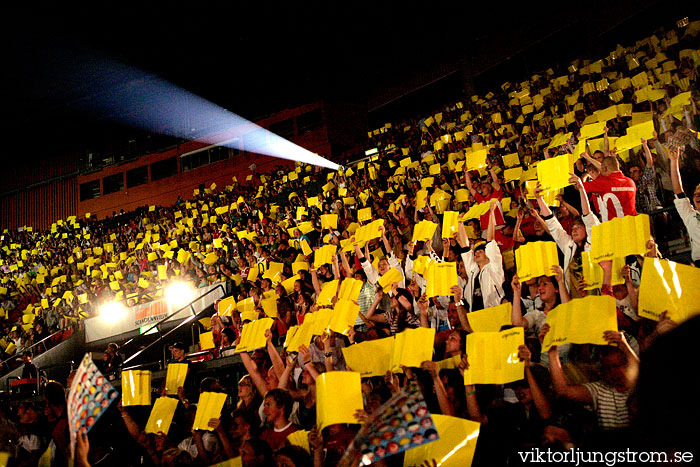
{"x": 127, "y": 95}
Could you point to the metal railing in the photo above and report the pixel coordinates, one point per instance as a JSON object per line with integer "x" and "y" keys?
{"x": 31, "y": 347}
{"x": 158, "y": 325}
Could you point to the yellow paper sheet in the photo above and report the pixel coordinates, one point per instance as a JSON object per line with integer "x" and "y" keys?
{"x": 440, "y": 277}
{"x": 388, "y": 279}
{"x": 324, "y": 255}
{"x": 206, "y": 341}
{"x": 350, "y": 289}
{"x": 553, "y": 173}
{"x": 329, "y": 221}
{"x": 581, "y": 321}
{"x": 370, "y": 358}
{"x": 493, "y": 357}
{"x": 136, "y": 387}
{"x": 269, "y": 306}
{"x": 490, "y": 319}
{"x": 253, "y": 335}
{"x": 621, "y": 236}
{"x": 455, "y": 448}
{"x": 209, "y": 406}
{"x": 412, "y": 347}
{"x": 669, "y": 286}
{"x": 343, "y": 316}
{"x": 449, "y": 224}
{"x": 593, "y": 273}
{"x": 338, "y": 397}
{"x": 175, "y": 377}
{"x": 161, "y": 415}
{"x": 536, "y": 259}
{"x": 328, "y": 291}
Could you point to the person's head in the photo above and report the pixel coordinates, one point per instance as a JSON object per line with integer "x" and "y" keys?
{"x": 383, "y": 266}
{"x": 245, "y": 423}
{"x": 609, "y": 165}
{"x": 578, "y": 232}
{"x": 454, "y": 343}
{"x": 486, "y": 188}
{"x": 461, "y": 269}
{"x": 210, "y": 384}
{"x": 636, "y": 171}
{"x": 178, "y": 350}
{"x": 480, "y": 254}
{"x": 256, "y": 453}
{"x": 246, "y": 388}
{"x": 293, "y": 456}
{"x": 696, "y": 197}
{"x": 228, "y": 337}
{"x": 548, "y": 288}
{"x": 592, "y": 171}
{"x": 27, "y": 412}
{"x": 598, "y": 155}
{"x": 277, "y": 405}
{"x": 27, "y": 357}
{"x": 615, "y": 369}
{"x": 55, "y": 397}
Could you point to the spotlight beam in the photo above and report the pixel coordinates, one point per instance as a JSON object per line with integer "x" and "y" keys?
{"x": 139, "y": 99}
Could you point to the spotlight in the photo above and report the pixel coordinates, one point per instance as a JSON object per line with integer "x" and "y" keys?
{"x": 179, "y": 293}
{"x": 112, "y": 311}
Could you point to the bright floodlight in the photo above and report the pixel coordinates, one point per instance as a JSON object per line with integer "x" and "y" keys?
{"x": 179, "y": 293}
{"x": 125, "y": 94}
{"x": 112, "y": 311}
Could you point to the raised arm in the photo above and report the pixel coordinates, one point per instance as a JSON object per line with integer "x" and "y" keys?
{"x": 494, "y": 179}
{"x": 674, "y": 155}
{"x": 544, "y": 209}
{"x": 252, "y": 369}
{"x": 345, "y": 264}
{"x": 649, "y": 160}
{"x": 446, "y": 406}
{"x": 578, "y": 184}
{"x": 491, "y": 230}
{"x": 538, "y": 397}
{"x": 575, "y": 392}
{"x": 277, "y": 363}
{"x": 516, "y": 314}
{"x": 468, "y": 181}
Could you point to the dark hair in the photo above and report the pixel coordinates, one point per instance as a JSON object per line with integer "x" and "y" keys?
{"x": 283, "y": 399}
{"x": 250, "y": 417}
{"x": 296, "y": 454}
{"x": 55, "y": 394}
{"x": 261, "y": 448}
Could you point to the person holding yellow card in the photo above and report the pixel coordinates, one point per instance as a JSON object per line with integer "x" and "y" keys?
{"x": 571, "y": 245}
{"x": 484, "y": 267}
{"x": 384, "y": 265}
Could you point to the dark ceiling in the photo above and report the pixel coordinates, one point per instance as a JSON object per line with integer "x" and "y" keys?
{"x": 250, "y": 57}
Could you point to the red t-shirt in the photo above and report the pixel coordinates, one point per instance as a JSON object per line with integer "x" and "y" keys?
{"x": 617, "y": 195}
{"x": 495, "y": 194}
{"x": 277, "y": 439}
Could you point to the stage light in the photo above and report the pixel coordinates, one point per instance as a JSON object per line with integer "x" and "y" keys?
{"x": 179, "y": 294}
{"x": 131, "y": 96}
{"x": 112, "y": 311}
{"x": 369, "y": 152}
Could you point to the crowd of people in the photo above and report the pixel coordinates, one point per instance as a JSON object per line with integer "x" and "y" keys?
{"x": 574, "y": 395}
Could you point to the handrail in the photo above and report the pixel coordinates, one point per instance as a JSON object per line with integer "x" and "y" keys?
{"x": 32, "y": 346}
{"x": 178, "y": 326}
{"x": 155, "y": 325}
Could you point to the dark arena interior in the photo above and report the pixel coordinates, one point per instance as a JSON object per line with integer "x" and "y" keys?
{"x": 373, "y": 233}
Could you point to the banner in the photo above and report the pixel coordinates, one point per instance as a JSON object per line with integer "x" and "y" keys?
{"x": 402, "y": 423}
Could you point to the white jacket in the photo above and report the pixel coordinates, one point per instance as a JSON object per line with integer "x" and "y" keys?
{"x": 691, "y": 219}
{"x": 491, "y": 277}
{"x": 566, "y": 244}
{"x": 373, "y": 275}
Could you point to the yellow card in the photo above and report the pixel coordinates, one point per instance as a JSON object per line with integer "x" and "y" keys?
{"x": 456, "y": 445}
{"x": 387, "y": 280}
{"x": 581, "y": 321}
{"x": 493, "y": 357}
{"x": 175, "y": 377}
{"x": 490, "y": 319}
{"x": 535, "y": 259}
{"x": 338, "y": 397}
{"x": 253, "y": 335}
{"x": 206, "y": 341}
{"x": 136, "y": 387}
{"x": 621, "y": 236}
{"x": 161, "y": 415}
{"x": 412, "y": 347}
{"x": 669, "y": 286}
{"x": 440, "y": 277}
{"x": 208, "y": 407}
